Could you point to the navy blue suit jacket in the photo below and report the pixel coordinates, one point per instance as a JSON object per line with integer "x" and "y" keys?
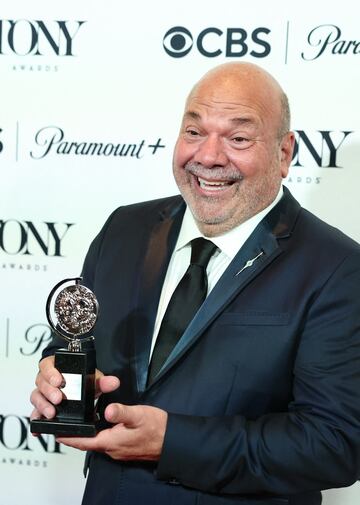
{"x": 263, "y": 388}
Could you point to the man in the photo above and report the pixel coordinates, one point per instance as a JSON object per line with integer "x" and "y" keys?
{"x": 258, "y": 400}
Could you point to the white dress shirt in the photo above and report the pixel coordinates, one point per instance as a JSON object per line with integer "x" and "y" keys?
{"x": 228, "y": 246}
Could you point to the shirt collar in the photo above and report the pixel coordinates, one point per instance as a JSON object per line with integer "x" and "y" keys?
{"x": 230, "y": 242}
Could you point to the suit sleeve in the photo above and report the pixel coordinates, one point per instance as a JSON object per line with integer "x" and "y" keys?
{"x": 315, "y": 444}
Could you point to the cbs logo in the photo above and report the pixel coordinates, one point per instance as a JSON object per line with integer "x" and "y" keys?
{"x": 212, "y": 42}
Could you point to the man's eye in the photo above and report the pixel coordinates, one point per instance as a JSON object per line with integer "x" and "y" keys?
{"x": 242, "y": 142}
{"x": 192, "y": 132}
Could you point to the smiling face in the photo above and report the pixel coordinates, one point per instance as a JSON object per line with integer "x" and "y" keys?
{"x": 229, "y": 158}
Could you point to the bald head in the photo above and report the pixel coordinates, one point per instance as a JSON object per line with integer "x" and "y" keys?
{"x": 234, "y": 146}
{"x": 230, "y": 79}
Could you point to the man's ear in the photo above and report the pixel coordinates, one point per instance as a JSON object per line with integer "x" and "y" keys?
{"x": 287, "y": 148}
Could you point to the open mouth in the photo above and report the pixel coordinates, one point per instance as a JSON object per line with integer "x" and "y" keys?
{"x": 213, "y": 185}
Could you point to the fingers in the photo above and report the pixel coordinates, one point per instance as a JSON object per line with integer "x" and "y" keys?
{"x": 108, "y": 383}
{"x": 42, "y": 406}
{"x": 105, "y": 441}
{"x": 35, "y": 414}
{"x": 97, "y": 443}
{"x": 49, "y": 372}
{"x": 51, "y": 393}
{"x": 137, "y": 433}
{"x": 98, "y": 376}
{"x": 47, "y": 393}
{"x": 130, "y": 416}
{"x": 115, "y": 413}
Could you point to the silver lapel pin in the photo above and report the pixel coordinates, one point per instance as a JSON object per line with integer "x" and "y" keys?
{"x": 249, "y": 263}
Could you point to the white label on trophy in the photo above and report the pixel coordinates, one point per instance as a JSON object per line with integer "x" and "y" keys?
{"x": 72, "y": 388}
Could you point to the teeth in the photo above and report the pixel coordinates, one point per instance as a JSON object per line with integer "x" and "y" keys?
{"x": 214, "y": 185}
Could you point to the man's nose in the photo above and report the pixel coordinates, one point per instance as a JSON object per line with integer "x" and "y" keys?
{"x": 210, "y": 152}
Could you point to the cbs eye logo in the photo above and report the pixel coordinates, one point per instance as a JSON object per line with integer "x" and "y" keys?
{"x": 178, "y": 42}
{"x": 234, "y": 42}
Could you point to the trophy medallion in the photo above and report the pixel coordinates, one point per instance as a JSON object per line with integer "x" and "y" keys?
{"x": 72, "y": 311}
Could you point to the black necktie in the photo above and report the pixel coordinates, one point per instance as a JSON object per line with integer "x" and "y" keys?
{"x": 183, "y": 305}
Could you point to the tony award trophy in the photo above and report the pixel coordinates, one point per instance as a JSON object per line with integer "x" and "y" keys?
{"x": 76, "y": 309}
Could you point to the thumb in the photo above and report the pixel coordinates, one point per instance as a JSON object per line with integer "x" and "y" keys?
{"x": 105, "y": 383}
{"x": 116, "y": 413}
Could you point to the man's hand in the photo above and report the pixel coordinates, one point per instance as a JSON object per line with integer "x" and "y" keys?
{"x": 138, "y": 433}
{"x": 48, "y": 393}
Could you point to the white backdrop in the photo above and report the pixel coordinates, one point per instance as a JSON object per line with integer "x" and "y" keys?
{"x": 91, "y": 98}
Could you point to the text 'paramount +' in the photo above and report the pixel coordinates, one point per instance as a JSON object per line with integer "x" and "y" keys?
{"x": 328, "y": 39}
{"x": 51, "y": 139}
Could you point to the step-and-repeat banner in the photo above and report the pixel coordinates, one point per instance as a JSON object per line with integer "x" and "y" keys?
{"x": 91, "y": 99}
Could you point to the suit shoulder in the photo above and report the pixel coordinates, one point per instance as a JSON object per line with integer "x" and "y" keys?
{"x": 149, "y": 207}
{"x": 322, "y": 233}
{"x": 146, "y": 213}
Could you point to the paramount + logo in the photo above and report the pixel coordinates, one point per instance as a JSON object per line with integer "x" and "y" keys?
{"x": 212, "y": 42}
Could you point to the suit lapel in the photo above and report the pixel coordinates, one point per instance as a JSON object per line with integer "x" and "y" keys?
{"x": 257, "y": 253}
{"x": 158, "y": 247}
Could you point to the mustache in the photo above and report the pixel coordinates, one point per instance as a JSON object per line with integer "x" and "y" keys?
{"x": 217, "y": 173}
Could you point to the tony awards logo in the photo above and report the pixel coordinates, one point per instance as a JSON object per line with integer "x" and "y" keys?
{"x": 75, "y": 309}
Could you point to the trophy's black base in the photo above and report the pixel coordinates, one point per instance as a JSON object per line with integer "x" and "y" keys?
{"x": 75, "y": 416}
{"x": 68, "y": 428}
